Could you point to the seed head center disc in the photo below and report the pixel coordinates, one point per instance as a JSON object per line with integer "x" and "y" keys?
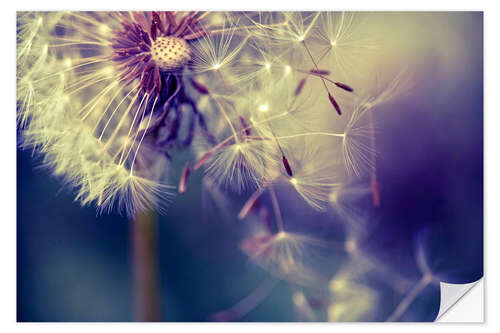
{"x": 170, "y": 52}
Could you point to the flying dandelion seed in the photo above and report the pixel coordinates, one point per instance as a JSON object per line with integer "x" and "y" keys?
{"x": 343, "y": 45}
{"x": 284, "y": 255}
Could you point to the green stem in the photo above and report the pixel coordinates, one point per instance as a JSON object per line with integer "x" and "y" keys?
{"x": 145, "y": 267}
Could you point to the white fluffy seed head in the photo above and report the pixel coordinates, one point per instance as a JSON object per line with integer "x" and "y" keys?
{"x": 89, "y": 134}
{"x": 170, "y": 52}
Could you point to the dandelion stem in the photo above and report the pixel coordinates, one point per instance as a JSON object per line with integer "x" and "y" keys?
{"x": 144, "y": 266}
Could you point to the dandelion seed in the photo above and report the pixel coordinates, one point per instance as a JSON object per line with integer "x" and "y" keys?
{"x": 204, "y": 159}
{"x": 217, "y": 50}
{"x": 287, "y": 255}
{"x": 319, "y": 72}
{"x": 292, "y": 27}
{"x": 344, "y": 86}
{"x": 335, "y": 104}
{"x": 184, "y": 178}
{"x": 250, "y": 204}
{"x": 313, "y": 179}
{"x": 330, "y": 97}
{"x": 300, "y": 86}
{"x": 287, "y": 166}
{"x": 344, "y": 46}
{"x": 241, "y": 166}
{"x": 202, "y": 89}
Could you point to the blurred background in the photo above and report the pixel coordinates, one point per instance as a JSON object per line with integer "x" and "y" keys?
{"x": 73, "y": 265}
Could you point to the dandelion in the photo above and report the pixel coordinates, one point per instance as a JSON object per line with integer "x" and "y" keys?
{"x": 104, "y": 96}
{"x": 121, "y": 77}
{"x": 109, "y": 98}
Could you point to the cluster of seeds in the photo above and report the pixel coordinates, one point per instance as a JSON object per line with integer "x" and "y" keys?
{"x": 170, "y": 52}
{"x": 153, "y": 42}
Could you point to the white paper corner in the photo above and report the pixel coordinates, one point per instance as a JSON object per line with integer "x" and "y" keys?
{"x": 462, "y": 303}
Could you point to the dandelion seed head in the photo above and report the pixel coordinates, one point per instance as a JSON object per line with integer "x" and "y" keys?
{"x": 150, "y": 43}
{"x": 92, "y": 87}
{"x": 170, "y": 52}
